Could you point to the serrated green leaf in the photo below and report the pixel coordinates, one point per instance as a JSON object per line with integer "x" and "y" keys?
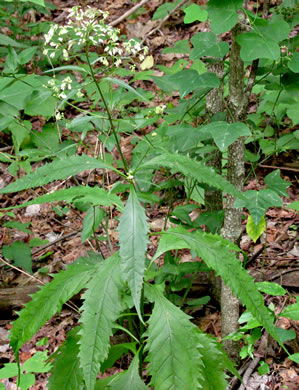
{"x": 130, "y": 379}
{"x": 224, "y": 133}
{"x": 292, "y": 311}
{"x": 217, "y": 254}
{"x": 66, "y": 372}
{"x": 271, "y": 288}
{"x": 94, "y": 195}
{"x": 205, "y": 44}
{"x": 58, "y": 169}
{"x": 215, "y": 362}
{"x": 223, "y": 14}
{"x": 91, "y": 221}
{"x": 195, "y": 13}
{"x": 102, "y": 306}
{"x": 258, "y": 202}
{"x": 276, "y": 183}
{"x": 174, "y": 363}
{"x": 49, "y": 300}
{"x": 194, "y": 169}
{"x": 133, "y": 240}
{"x": 255, "y": 231}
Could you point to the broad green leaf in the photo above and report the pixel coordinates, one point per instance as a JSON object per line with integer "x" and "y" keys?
{"x": 294, "y": 357}
{"x": 38, "y": 2}
{"x": 16, "y": 94}
{"x": 195, "y": 13}
{"x": 271, "y": 288}
{"x": 223, "y": 14}
{"x": 164, "y": 10}
{"x": 94, "y": 195}
{"x": 37, "y": 363}
{"x": 294, "y": 205}
{"x": 292, "y": 311}
{"x": 66, "y": 372}
{"x": 180, "y": 47}
{"x": 253, "y": 230}
{"x": 215, "y": 362}
{"x": 20, "y": 254}
{"x": 174, "y": 363}
{"x": 205, "y": 44}
{"x": 26, "y": 55}
{"x": 254, "y": 46}
{"x": 189, "y": 80}
{"x": 11, "y": 62}
{"x": 102, "y": 306}
{"x": 23, "y": 227}
{"x": 127, "y": 86}
{"x": 216, "y": 253}
{"x": 294, "y": 63}
{"x": 7, "y": 41}
{"x": 276, "y": 183}
{"x": 275, "y": 29}
{"x": 192, "y": 169}
{"x": 49, "y": 300}
{"x": 41, "y": 103}
{"x": 20, "y": 132}
{"x": 293, "y": 113}
{"x": 91, "y": 222}
{"x": 130, "y": 379}
{"x": 133, "y": 240}
{"x": 57, "y": 170}
{"x": 258, "y": 202}
{"x": 224, "y": 133}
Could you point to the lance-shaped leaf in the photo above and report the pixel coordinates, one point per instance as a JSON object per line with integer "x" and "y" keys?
{"x": 102, "y": 306}
{"x": 258, "y": 202}
{"x": 66, "y": 372}
{"x": 130, "y": 379}
{"x": 49, "y": 300}
{"x": 217, "y": 254}
{"x": 133, "y": 229}
{"x": 58, "y": 169}
{"x": 174, "y": 362}
{"x": 192, "y": 168}
{"x": 94, "y": 195}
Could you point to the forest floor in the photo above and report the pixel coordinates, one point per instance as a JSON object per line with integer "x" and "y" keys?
{"x": 274, "y": 257}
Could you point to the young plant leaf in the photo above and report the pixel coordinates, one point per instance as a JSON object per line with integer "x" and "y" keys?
{"x": 174, "y": 363}
{"x": 66, "y": 372}
{"x": 276, "y": 183}
{"x": 130, "y": 379}
{"x": 255, "y": 231}
{"x": 195, "y": 13}
{"x": 58, "y": 169}
{"x": 292, "y": 311}
{"x": 258, "y": 202}
{"x": 205, "y": 44}
{"x": 133, "y": 240}
{"x": 49, "y": 300}
{"x": 92, "y": 219}
{"x": 102, "y": 306}
{"x": 20, "y": 254}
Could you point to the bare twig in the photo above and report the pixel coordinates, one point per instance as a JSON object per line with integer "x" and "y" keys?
{"x": 252, "y": 366}
{"x": 54, "y": 242}
{"x": 128, "y": 13}
{"x": 163, "y": 20}
{"x": 274, "y": 167}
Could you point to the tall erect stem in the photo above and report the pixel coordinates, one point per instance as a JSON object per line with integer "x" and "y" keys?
{"x": 232, "y": 228}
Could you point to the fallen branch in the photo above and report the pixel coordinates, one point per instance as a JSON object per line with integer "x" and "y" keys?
{"x": 128, "y": 13}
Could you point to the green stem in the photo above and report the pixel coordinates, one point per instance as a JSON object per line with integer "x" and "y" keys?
{"x": 107, "y": 111}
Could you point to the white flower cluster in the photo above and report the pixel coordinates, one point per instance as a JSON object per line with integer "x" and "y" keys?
{"x": 60, "y": 88}
{"x": 88, "y": 28}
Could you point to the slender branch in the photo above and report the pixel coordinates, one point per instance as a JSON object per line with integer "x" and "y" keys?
{"x": 128, "y": 13}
